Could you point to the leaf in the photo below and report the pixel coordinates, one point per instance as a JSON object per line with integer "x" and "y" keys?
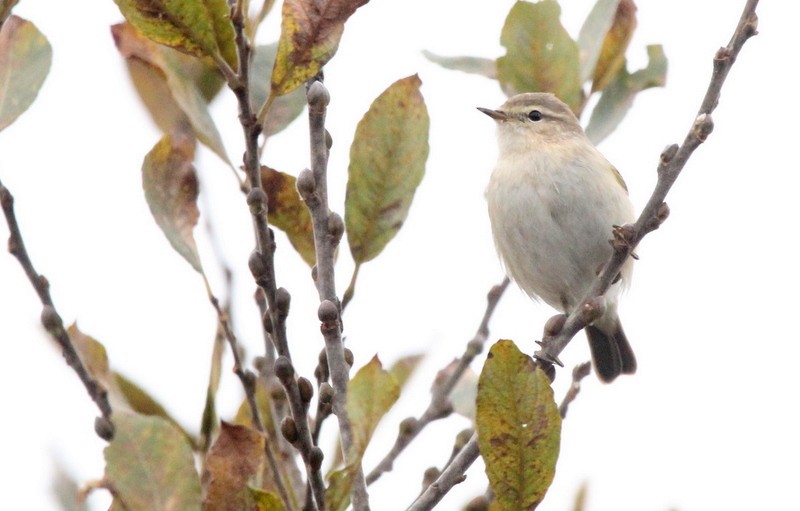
{"x": 92, "y": 353}
{"x": 473, "y": 65}
{"x": 5, "y": 8}
{"x": 171, "y": 189}
{"x": 593, "y": 33}
{"x": 518, "y": 426}
{"x": 337, "y": 494}
{"x": 66, "y": 490}
{"x": 265, "y": 501}
{"x": 197, "y": 27}
{"x": 370, "y": 394}
{"x": 25, "y": 57}
{"x": 288, "y": 213}
{"x": 284, "y": 109}
{"x": 403, "y": 368}
{"x": 387, "y": 162}
{"x": 140, "y": 401}
{"x": 617, "y": 98}
{"x": 174, "y": 88}
{"x": 233, "y": 460}
{"x": 310, "y": 33}
{"x": 150, "y": 465}
{"x": 612, "y": 56}
{"x": 540, "y": 54}
{"x": 208, "y": 423}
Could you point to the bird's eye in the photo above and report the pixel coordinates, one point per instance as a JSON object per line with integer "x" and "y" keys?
{"x": 535, "y": 115}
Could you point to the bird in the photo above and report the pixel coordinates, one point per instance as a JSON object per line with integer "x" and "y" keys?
{"x": 552, "y": 201}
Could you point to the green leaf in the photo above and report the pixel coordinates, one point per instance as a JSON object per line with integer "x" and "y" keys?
{"x": 197, "y": 27}
{"x": 370, "y": 394}
{"x": 288, "y": 213}
{"x": 66, "y": 490}
{"x": 612, "y": 55}
{"x": 387, "y": 162}
{"x": 121, "y": 390}
{"x": 284, "y": 109}
{"x": 518, "y": 426}
{"x": 617, "y": 98}
{"x": 208, "y": 423}
{"x": 150, "y": 465}
{"x": 593, "y": 33}
{"x": 403, "y": 368}
{"x": 310, "y": 34}
{"x": 473, "y": 65}
{"x": 265, "y": 500}
{"x": 175, "y": 88}
{"x": 337, "y": 494}
{"x": 25, "y": 57}
{"x": 140, "y": 401}
{"x": 233, "y": 460}
{"x": 540, "y": 54}
{"x": 171, "y": 189}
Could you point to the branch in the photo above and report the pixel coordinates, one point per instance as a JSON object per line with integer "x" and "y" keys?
{"x": 439, "y": 406}
{"x": 450, "y": 476}
{"x": 52, "y": 320}
{"x": 262, "y": 264}
{"x": 673, "y": 160}
{"x": 328, "y": 229}
{"x": 579, "y": 372}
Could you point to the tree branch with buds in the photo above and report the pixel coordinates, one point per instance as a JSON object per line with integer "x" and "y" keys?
{"x": 673, "y": 160}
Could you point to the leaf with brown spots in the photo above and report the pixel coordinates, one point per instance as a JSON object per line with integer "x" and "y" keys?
{"x": 288, "y": 213}
{"x": 310, "y": 33}
{"x": 387, "y": 163}
{"x": 150, "y": 465}
{"x": 518, "y": 426}
{"x": 171, "y": 189}
{"x": 612, "y": 55}
{"x": 198, "y": 27}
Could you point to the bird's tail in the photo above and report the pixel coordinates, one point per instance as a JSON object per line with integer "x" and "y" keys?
{"x": 612, "y": 354}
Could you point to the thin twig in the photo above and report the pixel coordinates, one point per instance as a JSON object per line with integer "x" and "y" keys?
{"x": 673, "y": 160}
{"x": 439, "y": 406}
{"x": 328, "y": 229}
{"x": 450, "y": 476}
{"x": 52, "y": 320}
{"x": 579, "y": 372}
{"x": 262, "y": 264}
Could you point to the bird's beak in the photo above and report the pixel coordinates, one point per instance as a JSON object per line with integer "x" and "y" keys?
{"x": 497, "y": 115}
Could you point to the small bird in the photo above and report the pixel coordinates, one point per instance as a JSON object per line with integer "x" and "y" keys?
{"x": 553, "y": 199}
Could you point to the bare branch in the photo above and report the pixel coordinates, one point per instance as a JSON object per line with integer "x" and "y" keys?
{"x": 450, "y": 476}
{"x": 439, "y": 406}
{"x": 328, "y": 230}
{"x": 52, "y": 320}
{"x": 673, "y": 160}
{"x": 579, "y": 372}
{"x": 262, "y": 264}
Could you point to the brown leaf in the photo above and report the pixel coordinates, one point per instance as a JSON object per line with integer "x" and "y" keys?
{"x": 235, "y": 457}
{"x": 288, "y": 213}
{"x": 612, "y": 54}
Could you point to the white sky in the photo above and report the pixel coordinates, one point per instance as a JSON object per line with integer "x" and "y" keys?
{"x": 710, "y": 420}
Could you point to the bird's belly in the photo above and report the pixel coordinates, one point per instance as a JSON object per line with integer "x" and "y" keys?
{"x": 549, "y": 240}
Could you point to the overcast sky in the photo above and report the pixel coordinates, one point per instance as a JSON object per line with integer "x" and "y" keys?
{"x": 709, "y": 421}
